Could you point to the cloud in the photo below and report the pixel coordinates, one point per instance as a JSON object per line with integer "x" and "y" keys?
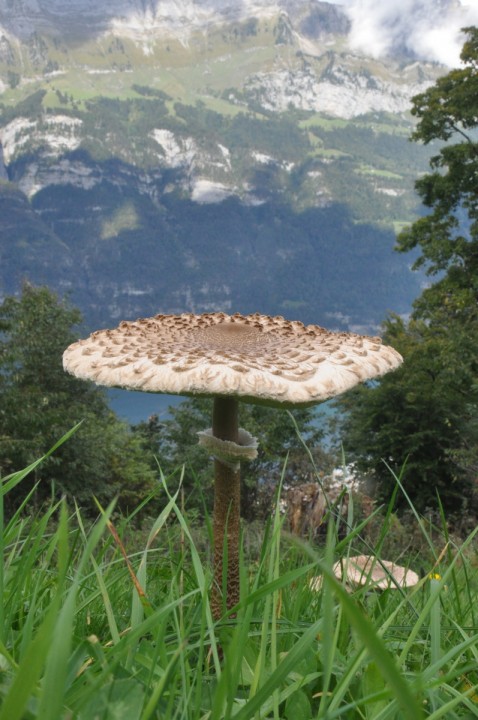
{"x": 425, "y": 29}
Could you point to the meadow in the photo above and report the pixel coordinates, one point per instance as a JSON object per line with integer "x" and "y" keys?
{"x": 110, "y": 619}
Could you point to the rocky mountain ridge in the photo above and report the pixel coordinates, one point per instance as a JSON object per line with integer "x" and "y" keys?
{"x": 141, "y": 19}
{"x": 304, "y": 59}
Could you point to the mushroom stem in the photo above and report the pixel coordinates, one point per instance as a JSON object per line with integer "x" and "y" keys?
{"x": 226, "y": 518}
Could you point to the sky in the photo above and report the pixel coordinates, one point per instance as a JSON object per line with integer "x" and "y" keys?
{"x": 428, "y": 28}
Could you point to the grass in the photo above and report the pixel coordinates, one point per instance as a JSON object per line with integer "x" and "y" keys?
{"x": 102, "y": 622}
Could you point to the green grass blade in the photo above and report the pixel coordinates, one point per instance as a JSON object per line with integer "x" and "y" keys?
{"x": 11, "y": 481}
{"x": 365, "y": 630}
{"x": 285, "y": 668}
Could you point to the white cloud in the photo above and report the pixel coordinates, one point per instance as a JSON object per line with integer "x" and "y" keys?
{"x": 429, "y": 29}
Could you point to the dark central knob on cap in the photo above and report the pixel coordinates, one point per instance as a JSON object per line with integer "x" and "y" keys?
{"x": 229, "y": 335}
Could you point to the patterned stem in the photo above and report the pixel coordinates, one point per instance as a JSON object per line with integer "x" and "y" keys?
{"x": 226, "y": 519}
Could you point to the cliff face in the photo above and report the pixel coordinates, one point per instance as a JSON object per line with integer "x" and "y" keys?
{"x": 172, "y": 17}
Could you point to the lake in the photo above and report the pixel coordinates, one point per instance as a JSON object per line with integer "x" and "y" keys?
{"x": 137, "y": 406}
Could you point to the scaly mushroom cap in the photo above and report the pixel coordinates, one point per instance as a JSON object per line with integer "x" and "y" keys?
{"x": 256, "y": 358}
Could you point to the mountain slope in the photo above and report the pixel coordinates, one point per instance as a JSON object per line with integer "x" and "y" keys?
{"x": 189, "y": 156}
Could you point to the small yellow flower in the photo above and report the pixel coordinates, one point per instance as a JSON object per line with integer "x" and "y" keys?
{"x": 434, "y": 576}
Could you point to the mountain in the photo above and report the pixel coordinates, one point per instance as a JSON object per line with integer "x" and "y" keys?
{"x": 180, "y": 155}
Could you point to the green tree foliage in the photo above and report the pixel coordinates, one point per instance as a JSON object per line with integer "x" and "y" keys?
{"x": 427, "y": 412}
{"x": 39, "y": 402}
{"x": 447, "y": 236}
{"x": 174, "y": 442}
{"x": 419, "y": 415}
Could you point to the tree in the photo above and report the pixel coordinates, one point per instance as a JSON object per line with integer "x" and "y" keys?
{"x": 39, "y": 402}
{"x": 415, "y": 421}
{"x": 447, "y": 235}
{"x": 427, "y": 412}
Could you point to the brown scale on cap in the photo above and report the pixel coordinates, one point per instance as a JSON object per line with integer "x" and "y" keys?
{"x": 257, "y": 358}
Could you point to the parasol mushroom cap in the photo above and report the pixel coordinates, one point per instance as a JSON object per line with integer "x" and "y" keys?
{"x": 367, "y": 570}
{"x": 256, "y": 358}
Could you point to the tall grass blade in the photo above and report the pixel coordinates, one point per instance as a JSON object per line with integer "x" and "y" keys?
{"x": 365, "y": 630}
{"x": 12, "y": 480}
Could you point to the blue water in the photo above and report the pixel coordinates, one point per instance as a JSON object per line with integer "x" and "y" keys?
{"x": 137, "y": 406}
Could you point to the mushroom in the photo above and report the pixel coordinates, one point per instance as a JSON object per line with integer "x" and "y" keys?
{"x": 368, "y": 570}
{"x": 254, "y": 358}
